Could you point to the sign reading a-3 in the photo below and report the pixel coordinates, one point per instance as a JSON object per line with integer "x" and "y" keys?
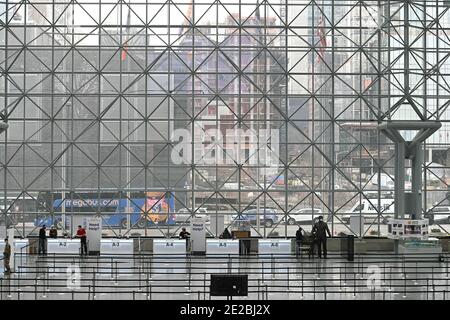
{"x": 222, "y": 246}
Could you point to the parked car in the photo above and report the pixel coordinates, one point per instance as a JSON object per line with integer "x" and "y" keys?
{"x": 183, "y": 215}
{"x": 304, "y": 215}
{"x": 439, "y": 214}
{"x": 212, "y": 208}
{"x": 370, "y": 210}
{"x": 267, "y": 217}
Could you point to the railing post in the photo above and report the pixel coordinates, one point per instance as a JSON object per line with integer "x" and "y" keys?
{"x": 302, "y": 284}
{"x": 139, "y": 273}
{"x": 267, "y": 293}
{"x": 148, "y": 289}
{"x": 262, "y": 270}
{"x": 258, "y": 288}
{"x": 44, "y": 286}
{"x": 404, "y": 266}
{"x": 345, "y": 272}
{"x": 204, "y": 286}
{"x": 18, "y": 293}
{"x": 189, "y": 276}
{"x": 288, "y": 278}
{"x": 93, "y": 284}
{"x": 48, "y": 279}
{"x": 19, "y": 269}
{"x": 9, "y": 287}
{"x": 115, "y": 266}
{"x": 390, "y": 278}
{"x": 149, "y": 265}
{"x": 314, "y": 289}
{"x": 317, "y": 270}
{"x": 272, "y": 265}
{"x": 404, "y": 287}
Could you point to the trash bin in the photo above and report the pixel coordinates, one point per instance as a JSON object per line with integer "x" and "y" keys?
{"x": 348, "y": 247}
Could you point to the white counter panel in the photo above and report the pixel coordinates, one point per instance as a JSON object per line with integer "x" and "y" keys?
{"x": 274, "y": 246}
{"x": 169, "y": 246}
{"x": 116, "y": 246}
{"x": 222, "y": 246}
{"x": 64, "y": 246}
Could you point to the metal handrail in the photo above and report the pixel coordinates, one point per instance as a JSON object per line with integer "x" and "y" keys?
{"x": 21, "y": 250}
{"x": 273, "y": 285}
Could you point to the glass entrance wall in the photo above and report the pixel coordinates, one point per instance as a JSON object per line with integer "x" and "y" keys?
{"x": 256, "y": 115}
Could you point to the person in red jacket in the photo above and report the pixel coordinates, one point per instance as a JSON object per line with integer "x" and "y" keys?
{"x": 81, "y": 233}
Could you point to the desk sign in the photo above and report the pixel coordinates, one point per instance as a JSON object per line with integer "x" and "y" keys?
{"x": 116, "y": 246}
{"x": 169, "y": 246}
{"x": 94, "y": 233}
{"x": 66, "y": 246}
{"x": 407, "y": 229}
{"x": 198, "y": 235}
{"x": 219, "y": 246}
{"x": 274, "y": 246}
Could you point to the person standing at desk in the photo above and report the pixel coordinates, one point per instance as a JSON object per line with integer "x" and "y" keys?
{"x": 298, "y": 240}
{"x": 320, "y": 230}
{"x": 42, "y": 240}
{"x": 185, "y": 235}
{"x": 7, "y": 256}
{"x": 53, "y": 233}
{"x": 225, "y": 234}
{"x": 81, "y": 233}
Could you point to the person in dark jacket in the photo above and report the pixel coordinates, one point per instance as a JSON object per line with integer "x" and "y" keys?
{"x": 184, "y": 234}
{"x": 7, "y": 256}
{"x": 42, "y": 241}
{"x": 53, "y": 233}
{"x": 312, "y": 243}
{"x": 299, "y": 239}
{"x": 225, "y": 234}
{"x": 321, "y": 230}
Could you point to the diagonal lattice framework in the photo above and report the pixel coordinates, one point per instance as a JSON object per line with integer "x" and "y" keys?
{"x": 93, "y": 93}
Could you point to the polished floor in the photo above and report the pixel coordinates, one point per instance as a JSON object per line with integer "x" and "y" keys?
{"x": 368, "y": 277}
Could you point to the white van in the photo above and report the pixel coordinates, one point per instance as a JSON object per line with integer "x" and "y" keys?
{"x": 369, "y": 210}
{"x": 438, "y": 215}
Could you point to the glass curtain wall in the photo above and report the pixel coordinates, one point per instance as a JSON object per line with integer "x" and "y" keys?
{"x": 257, "y": 115}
